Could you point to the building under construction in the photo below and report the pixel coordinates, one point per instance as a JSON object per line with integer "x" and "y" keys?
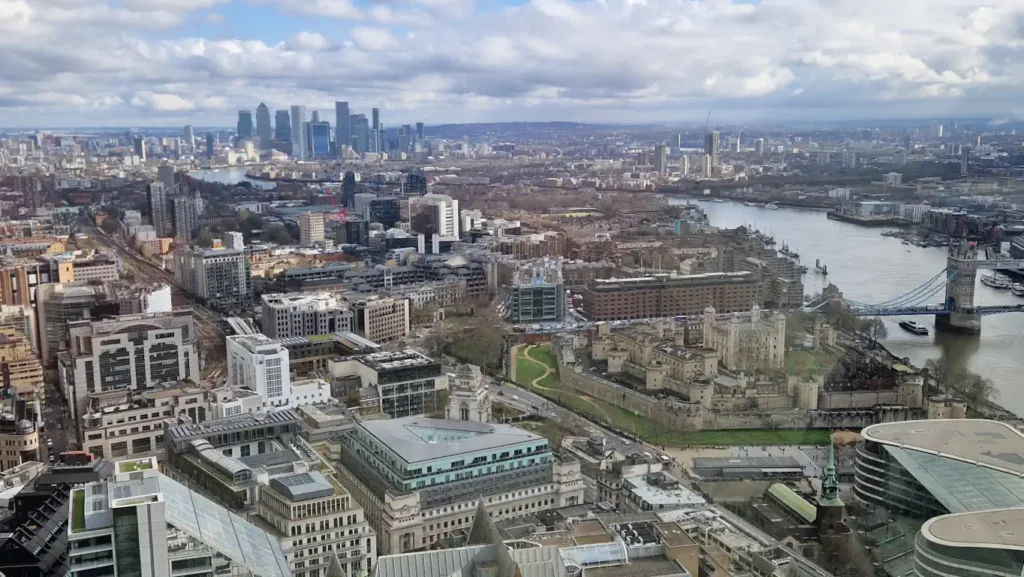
{"x": 538, "y": 293}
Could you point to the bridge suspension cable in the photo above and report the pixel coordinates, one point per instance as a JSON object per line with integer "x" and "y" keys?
{"x": 924, "y": 291}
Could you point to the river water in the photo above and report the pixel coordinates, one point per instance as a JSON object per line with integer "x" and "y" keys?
{"x": 230, "y": 175}
{"x": 871, "y": 268}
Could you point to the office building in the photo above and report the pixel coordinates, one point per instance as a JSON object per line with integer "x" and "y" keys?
{"x": 434, "y": 214}
{"x": 127, "y": 352}
{"x": 139, "y": 147}
{"x": 660, "y": 158}
{"x": 360, "y": 139}
{"x": 849, "y": 159}
{"x": 311, "y": 228}
{"x": 965, "y": 161}
{"x": 711, "y": 145}
{"x": 385, "y": 210}
{"x": 974, "y": 543}
{"x": 319, "y": 140}
{"x": 438, "y": 471}
{"x": 165, "y": 174}
{"x": 141, "y": 522}
{"x": 58, "y": 304}
{"x": 404, "y": 383}
{"x": 220, "y": 276}
{"x": 537, "y": 293}
{"x": 20, "y": 278}
{"x": 244, "y": 128}
{"x": 159, "y": 212}
{"x": 263, "y": 128}
{"x": 420, "y": 133}
{"x": 759, "y": 146}
{"x": 282, "y": 126}
{"x": 342, "y": 125}
{"x": 298, "y": 133}
{"x": 381, "y": 319}
{"x": 190, "y": 137}
{"x": 185, "y": 218}
{"x": 303, "y": 315}
{"x": 261, "y": 365}
{"x": 667, "y": 295}
{"x": 210, "y": 145}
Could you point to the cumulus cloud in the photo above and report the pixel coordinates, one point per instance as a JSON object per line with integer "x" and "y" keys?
{"x": 450, "y": 60}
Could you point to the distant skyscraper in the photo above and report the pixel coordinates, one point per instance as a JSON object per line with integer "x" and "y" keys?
{"x": 965, "y": 159}
{"x": 190, "y": 137}
{"x": 140, "y": 148}
{"x": 938, "y": 131}
{"x": 209, "y": 144}
{"x": 282, "y": 126}
{"x": 315, "y": 116}
{"x": 684, "y": 165}
{"x": 707, "y": 166}
{"x": 298, "y": 134}
{"x": 185, "y": 218}
{"x": 375, "y": 115}
{"x": 263, "y": 129}
{"x": 759, "y": 147}
{"x": 660, "y": 159}
{"x": 711, "y": 146}
{"x": 320, "y": 139}
{"x": 977, "y": 142}
{"x": 360, "y": 133}
{"x": 311, "y": 228}
{"x": 679, "y": 141}
{"x": 244, "y": 124}
{"x": 906, "y": 143}
{"x": 419, "y": 131}
{"x": 158, "y": 214}
{"x": 165, "y": 174}
{"x": 342, "y": 125}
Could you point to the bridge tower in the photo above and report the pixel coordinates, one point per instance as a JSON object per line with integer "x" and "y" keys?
{"x": 961, "y": 272}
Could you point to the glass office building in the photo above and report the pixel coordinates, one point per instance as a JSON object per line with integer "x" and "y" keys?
{"x": 320, "y": 139}
{"x": 982, "y": 544}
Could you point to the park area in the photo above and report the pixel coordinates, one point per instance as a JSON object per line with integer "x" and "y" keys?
{"x": 537, "y": 370}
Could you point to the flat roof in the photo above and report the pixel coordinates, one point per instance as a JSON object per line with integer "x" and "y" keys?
{"x": 417, "y": 439}
{"x": 303, "y": 486}
{"x": 996, "y": 529}
{"x": 979, "y": 441}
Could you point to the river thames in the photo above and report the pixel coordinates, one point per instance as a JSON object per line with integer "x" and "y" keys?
{"x": 230, "y": 175}
{"x": 871, "y": 268}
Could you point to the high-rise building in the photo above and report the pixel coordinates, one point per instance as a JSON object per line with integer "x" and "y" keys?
{"x": 385, "y": 210}
{"x": 660, "y": 158}
{"x": 977, "y": 142}
{"x": 190, "y": 137}
{"x": 319, "y": 140}
{"x": 939, "y": 131}
{"x": 360, "y": 134}
{"x": 759, "y": 146}
{"x": 282, "y": 126}
{"x": 263, "y": 129}
{"x": 965, "y": 159}
{"x": 849, "y": 159}
{"x": 707, "y": 165}
{"x": 244, "y": 128}
{"x": 348, "y": 189}
{"x": 711, "y": 146}
{"x": 434, "y": 214}
{"x": 260, "y": 364}
{"x": 311, "y": 228}
{"x": 314, "y": 116}
{"x": 185, "y": 218}
{"x": 303, "y": 315}
{"x": 298, "y": 122}
{"x": 150, "y": 524}
{"x": 221, "y": 276}
{"x": 165, "y": 174}
{"x": 684, "y": 165}
{"x": 139, "y": 146}
{"x": 419, "y": 131}
{"x": 906, "y": 143}
{"x": 159, "y": 214}
{"x": 210, "y": 143}
{"x": 342, "y": 125}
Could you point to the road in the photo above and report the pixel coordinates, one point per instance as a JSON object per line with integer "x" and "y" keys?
{"x": 208, "y": 323}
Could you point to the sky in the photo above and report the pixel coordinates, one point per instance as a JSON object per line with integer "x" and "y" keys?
{"x": 69, "y": 63}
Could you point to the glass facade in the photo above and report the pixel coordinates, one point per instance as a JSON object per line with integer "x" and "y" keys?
{"x": 934, "y": 560}
{"x": 320, "y": 137}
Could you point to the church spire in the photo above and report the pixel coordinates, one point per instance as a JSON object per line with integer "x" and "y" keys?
{"x": 830, "y": 481}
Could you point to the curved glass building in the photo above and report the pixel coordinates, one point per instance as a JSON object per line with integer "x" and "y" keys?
{"x": 924, "y": 469}
{"x": 978, "y": 544}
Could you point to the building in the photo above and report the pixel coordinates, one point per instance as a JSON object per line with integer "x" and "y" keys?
{"x": 983, "y": 543}
{"x": 965, "y": 161}
{"x": 291, "y": 315}
{"x": 381, "y": 319}
{"x": 656, "y": 491}
{"x": 298, "y": 134}
{"x": 139, "y": 148}
{"x": 434, "y": 214}
{"x": 405, "y": 383}
{"x": 263, "y": 129}
{"x": 190, "y": 136}
{"x": 387, "y": 211}
{"x": 468, "y": 399}
{"x": 342, "y": 125}
{"x": 19, "y": 432}
{"x": 849, "y": 159}
{"x": 666, "y": 295}
{"x": 319, "y": 140}
{"x": 420, "y": 479}
{"x": 282, "y": 126}
{"x": 742, "y": 345}
{"x": 19, "y": 278}
{"x": 711, "y": 145}
{"x": 221, "y": 277}
{"x": 311, "y": 228}
{"x": 260, "y": 364}
{"x": 759, "y": 146}
{"x": 893, "y": 179}
{"x": 660, "y": 159}
{"x": 159, "y": 215}
{"x": 185, "y": 218}
{"x": 244, "y": 129}
{"x": 127, "y": 353}
{"x": 127, "y": 423}
{"x": 143, "y": 521}
{"x": 20, "y": 368}
{"x": 58, "y": 304}
{"x": 165, "y": 174}
{"x": 538, "y": 293}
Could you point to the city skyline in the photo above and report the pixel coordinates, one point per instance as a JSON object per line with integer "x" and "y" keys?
{"x": 160, "y": 63}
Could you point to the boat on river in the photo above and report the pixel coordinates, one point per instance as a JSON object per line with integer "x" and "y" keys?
{"x": 912, "y": 327}
{"x": 772, "y": 206}
{"x": 996, "y": 281}
{"x": 1017, "y": 289}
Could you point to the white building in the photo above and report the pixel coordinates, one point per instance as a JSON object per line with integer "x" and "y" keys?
{"x": 234, "y": 240}
{"x": 260, "y": 364}
{"x": 144, "y": 523}
{"x": 434, "y": 213}
{"x": 311, "y": 228}
{"x": 893, "y": 179}
{"x": 300, "y": 315}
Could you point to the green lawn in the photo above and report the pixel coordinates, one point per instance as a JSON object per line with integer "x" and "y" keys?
{"x": 805, "y": 363}
{"x": 544, "y": 354}
{"x": 526, "y": 370}
{"x": 78, "y": 511}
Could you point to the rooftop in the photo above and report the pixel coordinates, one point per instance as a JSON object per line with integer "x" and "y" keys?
{"x": 395, "y": 360}
{"x": 982, "y": 442}
{"x": 303, "y": 486}
{"x": 321, "y": 300}
{"x": 257, "y": 343}
{"x": 417, "y": 439}
{"x": 987, "y": 529}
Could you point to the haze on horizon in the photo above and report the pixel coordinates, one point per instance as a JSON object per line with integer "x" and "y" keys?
{"x": 175, "y": 62}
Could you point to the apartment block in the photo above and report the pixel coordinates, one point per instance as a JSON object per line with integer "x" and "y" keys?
{"x": 221, "y": 277}
{"x": 666, "y": 295}
{"x": 381, "y": 319}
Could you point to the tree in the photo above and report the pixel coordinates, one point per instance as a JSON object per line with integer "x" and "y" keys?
{"x": 204, "y": 237}
{"x": 873, "y": 329}
{"x": 110, "y": 225}
{"x": 278, "y": 233}
{"x": 146, "y": 251}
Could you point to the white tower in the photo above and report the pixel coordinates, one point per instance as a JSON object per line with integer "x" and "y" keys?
{"x": 469, "y": 399}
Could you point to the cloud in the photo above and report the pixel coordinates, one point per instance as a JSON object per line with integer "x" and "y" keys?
{"x": 452, "y": 60}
